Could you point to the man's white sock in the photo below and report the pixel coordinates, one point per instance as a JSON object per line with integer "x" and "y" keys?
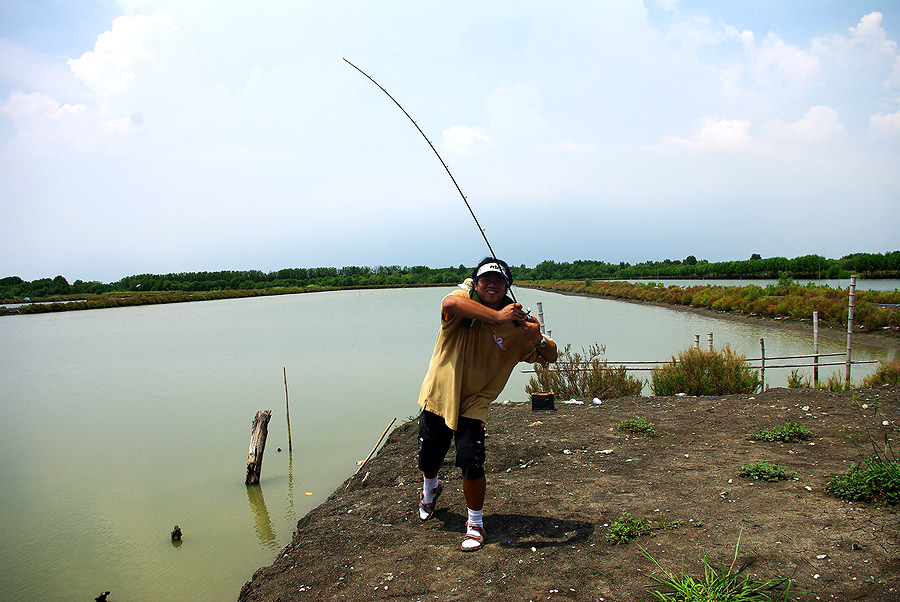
{"x": 428, "y": 487}
{"x": 475, "y": 518}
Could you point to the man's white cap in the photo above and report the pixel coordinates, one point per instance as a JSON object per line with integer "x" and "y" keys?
{"x": 492, "y": 267}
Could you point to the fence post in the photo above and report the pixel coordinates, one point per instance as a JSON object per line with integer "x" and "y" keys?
{"x": 287, "y": 409}
{"x": 709, "y": 341}
{"x": 850, "y": 328}
{"x": 762, "y": 369}
{"x": 816, "y": 349}
{"x": 697, "y": 341}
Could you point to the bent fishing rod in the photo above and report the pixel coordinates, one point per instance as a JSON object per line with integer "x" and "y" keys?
{"x": 447, "y": 169}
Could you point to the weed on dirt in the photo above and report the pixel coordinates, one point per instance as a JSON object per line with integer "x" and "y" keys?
{"x": 790, "y": 432}
{"x": 765, "y": 470}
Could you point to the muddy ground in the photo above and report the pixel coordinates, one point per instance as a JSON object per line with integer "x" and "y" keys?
{"x": 558, "y": 479}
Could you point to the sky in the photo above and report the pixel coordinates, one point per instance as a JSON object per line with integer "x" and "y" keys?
{"x": 166, "y": 136}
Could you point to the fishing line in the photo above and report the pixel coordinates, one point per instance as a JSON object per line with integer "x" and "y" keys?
{"x": 436, "y": 154}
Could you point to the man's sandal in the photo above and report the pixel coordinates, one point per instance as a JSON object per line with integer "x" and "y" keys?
{"x": 426, "y": 511}
{"x": 472, "y": 541}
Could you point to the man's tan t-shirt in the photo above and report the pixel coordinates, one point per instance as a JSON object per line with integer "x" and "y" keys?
{"x": 470, "y": 366}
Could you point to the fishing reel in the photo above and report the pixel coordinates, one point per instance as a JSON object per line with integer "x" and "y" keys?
{"x": 528, "y": 317}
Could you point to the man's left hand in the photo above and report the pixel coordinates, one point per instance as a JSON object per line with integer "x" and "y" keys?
{"x": 531, "y": 328}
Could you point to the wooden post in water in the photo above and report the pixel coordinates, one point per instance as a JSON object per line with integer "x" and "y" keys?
{"x": 257, "y": 446}
{"x": 816, "y": 349}
{"x": 540, "y": 306}
{"x": 850, "y": 328}
{"x": 697, "y": 341}
{"x": 287, "y": 408}
{"x": 762, "y": 369}
{"x": 709, "y": 343}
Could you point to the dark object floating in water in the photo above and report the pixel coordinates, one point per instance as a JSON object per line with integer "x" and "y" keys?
{"x": 176, "y": 533}
{"x": 102, "y": 597}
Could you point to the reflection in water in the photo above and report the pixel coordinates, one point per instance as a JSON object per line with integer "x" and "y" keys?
{"x": 290, "y": 491}
{"x": 263, "y": 524}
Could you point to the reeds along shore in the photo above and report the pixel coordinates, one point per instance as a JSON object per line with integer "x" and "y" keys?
{"x": 874, "y": 310}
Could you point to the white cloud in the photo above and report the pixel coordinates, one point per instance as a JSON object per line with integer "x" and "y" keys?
{"x": 820, "y": 123}
{"x": 28, "y": 70}
{"x": 714, "y": 135}
{"x": 42, "y": 123}
{"x": 133, "y": 47}
{"x": 774, "y": 63}
{"x": 893, "y": 81}
{"x": 863, "y": 49}
{"x": 461, "y": 138}
{"x": 870, "y": 33}
{"x": 133, "y": 66}
{"x": 885, "y": 124}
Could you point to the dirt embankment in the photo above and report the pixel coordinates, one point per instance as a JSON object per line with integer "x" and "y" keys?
{"x": 557, "y": 480}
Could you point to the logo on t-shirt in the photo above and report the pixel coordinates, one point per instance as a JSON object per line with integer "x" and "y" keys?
{"x": 499, "y": 341}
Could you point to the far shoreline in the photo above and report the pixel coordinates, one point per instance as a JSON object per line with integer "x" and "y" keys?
{"x": 885, "y": 339}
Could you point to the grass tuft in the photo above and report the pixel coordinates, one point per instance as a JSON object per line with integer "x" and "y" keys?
{"x": 797, "y": 381}
{"x": 717, "y": 585}
{"x": 875, "y": 478}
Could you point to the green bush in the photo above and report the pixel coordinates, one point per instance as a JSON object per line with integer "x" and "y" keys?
{"x": 887, "y": 373}
{"x": 698, "y": 372}
{"x": 583, "y": 376}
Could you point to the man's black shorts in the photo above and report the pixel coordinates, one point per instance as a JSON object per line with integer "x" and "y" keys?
{"x": 434, "y": 442}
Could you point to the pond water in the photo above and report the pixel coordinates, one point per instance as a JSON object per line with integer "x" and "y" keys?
{"x": 118, "y": 424}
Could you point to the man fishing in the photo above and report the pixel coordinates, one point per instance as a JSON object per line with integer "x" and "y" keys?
{"x": 483, "y": 335}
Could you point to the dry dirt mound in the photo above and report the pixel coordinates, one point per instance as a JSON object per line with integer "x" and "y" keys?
{"x": 554, "y": 488}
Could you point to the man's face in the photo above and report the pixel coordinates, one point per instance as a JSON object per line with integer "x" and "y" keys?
{"x": 491, "y": 288}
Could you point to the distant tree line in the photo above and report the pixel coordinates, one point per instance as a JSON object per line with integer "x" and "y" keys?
{"x": 14, "y": 288}
{"x": 867, "y": 265}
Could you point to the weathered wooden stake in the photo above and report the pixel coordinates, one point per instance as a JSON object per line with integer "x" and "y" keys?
{"x": 287, "y": 409}
{"x": 709, "y": 341}
{"x": 697, "y": 341}
{"x": 257, "y": 446}
{"x": 850, "y": 328}
{"x": 816, "y": 349}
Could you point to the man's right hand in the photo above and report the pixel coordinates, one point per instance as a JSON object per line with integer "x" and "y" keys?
{"x": 512, "y": 312}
